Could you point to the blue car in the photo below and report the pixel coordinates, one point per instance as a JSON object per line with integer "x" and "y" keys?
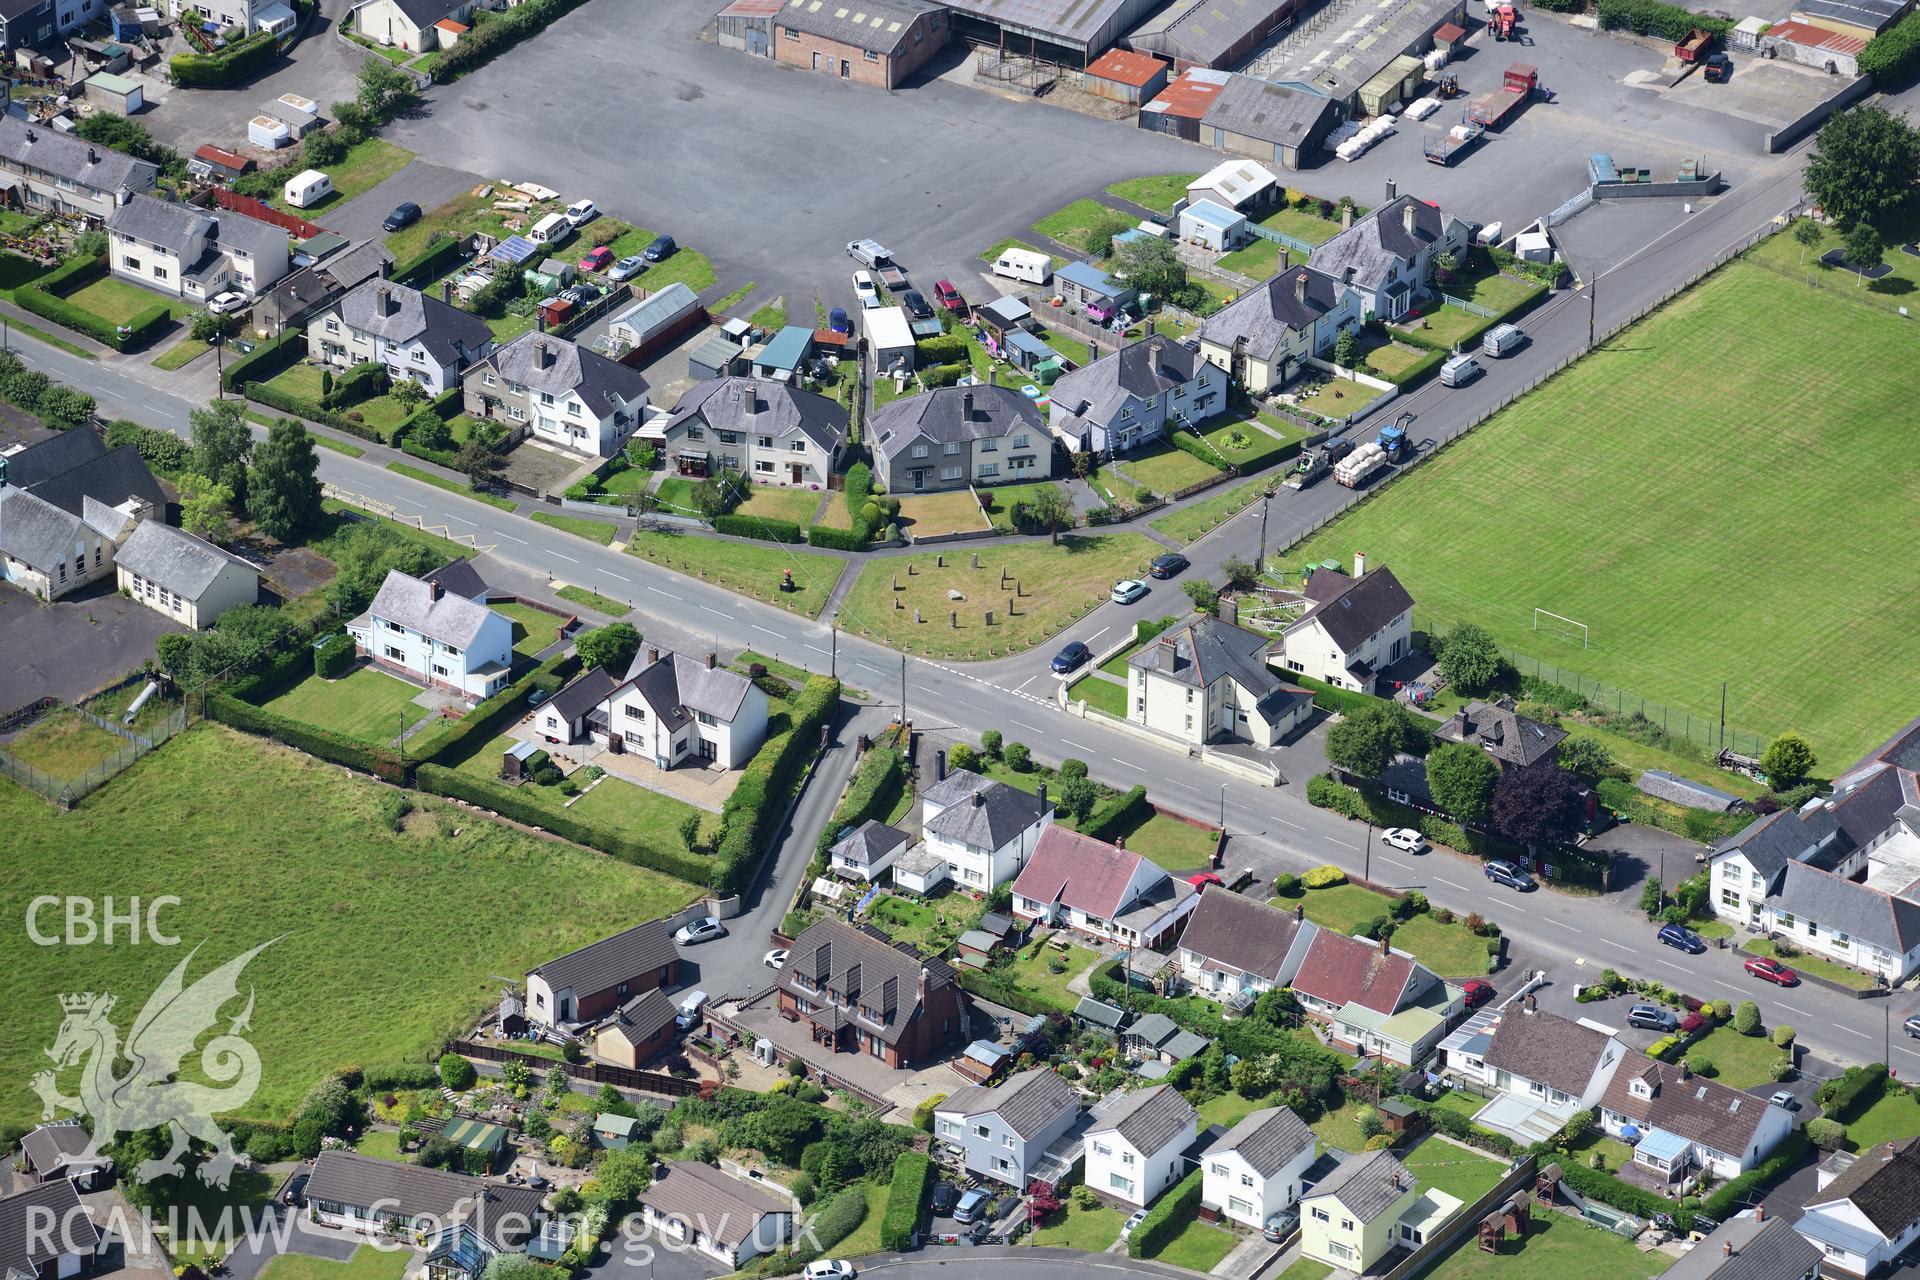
{"x": 838, "y": 322}
{"x": 1682, "y": 939}
{"x": 659, "y": 249}
{"x": 1070, "y": 658}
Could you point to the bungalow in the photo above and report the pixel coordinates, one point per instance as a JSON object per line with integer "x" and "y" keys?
{"x": 587, "y": 984}
{"x": 1134, "y": 396}
{"x": 184, "y": 252}
{"x": 669, "y": 708}
{"x": 1752, "y": 1246}
{"x": 728, "y": 1219}
{"x": 772, "y": 431}
{"x": 857, "y": 993}
{"x": 1373, "y": 998}
{"x": 412, "y": 335}
{"x": 1235, "y": 948}
{"x": 47, "y": 171}
{"x": 1680, "y": 1122}
{"x": 1258, "y": 1169}
{"x": 1092, "y": 290}
{"x": 1080, "y": 883}
{"x": 1513, "y": 740}
{"x": 1365, "y": 1208}
{"x": 1352, "y": 628}
{"x": 188, "y": 579}
{"x": 977, "y": 832}
{"x": 63, "y": 1149}
{"x": 1156, "y": 1038}
{"x": 1136, "y": 1147}
{"x": 1542, "y": 1069}
{"x": 866, "y": 852}
{"x": 639, "y": 1031}
{"x": 1264, "y": 337}
{"x": 410, "y": 24}
{"x": 1003, "y": 1130}
{"x": 1209, "y": 680}
{"x": 45, "y": 1233}
{"x": 472, "y": 1220}
{"x": 1866, "y": 1209}
{"x": 959, "y": 437}
{"x": 418, "y": 630}
{"x": 1388, "y": 255}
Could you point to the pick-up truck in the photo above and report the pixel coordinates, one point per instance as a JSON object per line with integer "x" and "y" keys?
{"x": 875, "y": 256}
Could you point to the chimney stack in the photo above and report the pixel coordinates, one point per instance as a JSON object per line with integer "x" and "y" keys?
{"x": 93, "y": 157}
{"x": 1393, "y": 190}
{"x": 1300, "y": 285}
{"x": 1299, "y": 911}
{"x": 710, "y": 659}
{"x": 653, "y": 654}
{"x": 540, "y": 319}
{"x": 1760, "y": 1212}
{"x": 32, "y": 137}
{"x": 383, "y": 300}
{"x": 1726, "y": 1248}
{"x": 446, "y": 292}
{"x": 542, "y": 353}
{"x": 940, "y": 766}
{"x": 1359, "y": 564}
{"x": 1385, "y": 949}
{"x": 435, "y": 590}
{"x": 1346, "y": 219}
{"x": 1119, "y": 842}
{"x": 1686, "y": 1073}
{"x": 386, "y": 268}
{"x": 1045, "y": 808}
{"x": 1406, "y": 217}
{"x": 966, "y": 406}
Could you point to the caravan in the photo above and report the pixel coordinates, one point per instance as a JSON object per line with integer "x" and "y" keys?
{"x": 1024, "y": 264}
{"x": 308, "y": 188}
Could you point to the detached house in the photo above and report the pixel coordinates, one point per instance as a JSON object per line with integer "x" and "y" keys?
{"x": 1542, "y": 1069}
{"x": 668, "y": 707}
{"x": 418, "y": 26}
{"x": 52, "y": 172}
{"x": 1373, "y": 998}
{"x": 1866, "y": 1211}
{"x": 419, "y": 630}
{"x": 1388, "y": 255}
{"x": 45, "y": 1233}
{"x": 184, "y": 252}
{"x": 1209, "y": 680}
{"x": 868, "y": 851}
{"x": 1137, "y": 1146}
{"x": 1365, "y": 1208}
{"x": 1003, "y": 1130}
{"x": 959, "y": 437}
{"x": 187, "y": 579}
{"x": 856, "y": 992}
{"x": 414, "y": 336}
{"x": 1353, "y": 627}
{"x": 728, "y": 1219}
{"x": 976, "y": 832}
{"x": 472, "y": 1220}
{"x": 590, "y": 983}
{"x": 1258, "y": 1169}
{"x": 61, "y": 1150}
{"x": 311, "y": 290}
{"x": 1680, "y": 1123}
{"x": 1113, "y": 894}
{"x": 1244, "y": 186}
{"x": 1513, "y": 740}
{"x": 1263, "y": 338}
{"x": 769, "y": 430}
{"x": 1234, "y": 948}
{"x": 561, "y": 393}
{"x": 1751, "y": 1246}
{"x": 1134, "y": 396}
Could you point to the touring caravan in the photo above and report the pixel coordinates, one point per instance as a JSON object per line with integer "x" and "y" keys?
{"x": 1024, "y": 264}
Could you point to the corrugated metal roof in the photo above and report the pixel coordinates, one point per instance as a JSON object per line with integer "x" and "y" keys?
{"x": 1123, "y": 66}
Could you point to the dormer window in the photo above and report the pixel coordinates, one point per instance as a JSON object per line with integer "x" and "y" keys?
{"x": 1640, "y": 1089}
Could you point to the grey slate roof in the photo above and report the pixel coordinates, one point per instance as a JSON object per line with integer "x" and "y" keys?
{"x": 110, "y": 478}
{"x": 1883, "y": 1184}
{"x": 1777, "y": 840}
{"x": 153, "y": 221}
{"x": 499, "y": 1213}
{"x": 1027, "y": 1101}
{"x": 1142, "y": 369}
{"x": 677, "y": 684}
{"x": 37, "y": 1223}
{"x": 1149, "y": 1119}
{"x": 1234, "y": 932}
{"x": 1548, "y": 1049}
{"x": 869, "y": 842}
{"x": 1267, "y": 1139}
{"x": 59, "y": 452}
{"x": 1207, "y": 650}
{"x": 175, "y": 559}
{"x": 49, "y": 1146}
{"x": 1502, "y": 732}
{"x": 761, "y": 406}
{"x": 862, "y": 969}
{"x": 641, "y": 1018}
{"x": 1675, "y": 789}
{"x": 1262, "y": 317}
{"x": 1269, "y": 112}
{"x": 953, "y": 415}
{"x": 1353, "y": 609}
{"x": 403, "y": 316}
{"x": 1762, "y": 1250}
{"x": 1836, "y": 903}
{"x": 37, "y": 147}
{"x": 566, "y": 369}
{"x": 459, "y": 578}
{"x": 1366, "y": 1185}
{"x": 410, "y": 602}
{"x": 1100, "y": 1013}
{"x": 988, "y": 816}
{"x": 658, "y": 310}
{"x": 879, "y": 25}
{"x": 583, "y": 693}
{"x": 1370, "y": 246}
{"x": 726, "y": 1208}
{"x": 1694, "y": 1107}
{"x": 250, "y": 236}
{"x": 605, "y": 964}
{"x": 36, "y": 532}
{"x": 424, "y": 13}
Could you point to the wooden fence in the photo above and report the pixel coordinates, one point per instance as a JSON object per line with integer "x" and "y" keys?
{"x": 592, "y": 1072}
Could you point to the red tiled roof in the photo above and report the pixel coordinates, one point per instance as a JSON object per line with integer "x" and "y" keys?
{"x": 448, "y": 24}
{"x": 1338, "y": 969}
{"x": 1815, "y": 37}
{"x": 1188, "y": 96}
{"x": 1126, "y": 67}
{"x": 1079, "y": 871}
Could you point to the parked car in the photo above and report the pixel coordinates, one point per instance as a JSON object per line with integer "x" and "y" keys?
{"x": 944, "y": 1195}
{"x": 1134, "y": 1219}
{"x": 1682, "y": 938}
{"x": 1127, "y": 590}
{"x": 917, "y": 305}
{"x": 1772, "y": 971}
{"x": 597, "y": 259}
{"x": 829, "y": 1269}
{"x": 297, "y": 1189}
{"x": 865, "y": 290}
{"x": 705, "y": 929}
{"x": 973, "y": 1206}
{"x": 1169, "y": 565}
{"x": 947, "y": 296}
{"x": 1405, "y": 839}
{"x": 776, "y": 958}
{"x": 581, "y": 212}
{"x": 1280, "y": 1226}
{"x": 659, "y": 249}
{"x": 1912, "y": 1026}
{"x": 627, "y": 268}
{"x": 1070, "y": 657}
{"x": 839, "y": 321}
{"x": 1785, "y": 1100}
{"x": 1201, "y": 879}
{"x": 1509, "y": 875}
{"x": 1476, "y": 992}
{"x": 1652, "y": 1017}
{"x": 404, "y": 215}
{"x": 222, "y": 303}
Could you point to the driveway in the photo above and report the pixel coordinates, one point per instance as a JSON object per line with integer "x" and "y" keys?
{"x": 637, "y": 1252}
{"x": 129, "y": 1248}
{"x": 427, "y": 185}
{"x": 74, "y": 646}
{"x": 286, "y": 1232}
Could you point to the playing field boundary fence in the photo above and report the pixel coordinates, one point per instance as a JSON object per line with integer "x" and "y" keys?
{"x": 67, "y": 787}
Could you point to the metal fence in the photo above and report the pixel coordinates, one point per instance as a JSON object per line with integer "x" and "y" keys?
{"x": 1582, "y": 200}
{"x": 1281, "y": 238}
{"x": 1471, "y": 308}
{"x": 1674, "y": 721}
{"x": 68, "y": 787}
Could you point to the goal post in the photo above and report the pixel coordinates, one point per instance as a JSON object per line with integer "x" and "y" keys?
{"x": 1560, "y": 625}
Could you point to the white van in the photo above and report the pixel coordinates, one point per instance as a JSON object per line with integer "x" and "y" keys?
{"x": 308, "y": 188}
{"x": 551, "y": 230}
{"x": 1024, "y": 264}
{"x": 1459, "y": 371}
{"x": 690, "y": 1006}
{"x": 1501, "y": 339}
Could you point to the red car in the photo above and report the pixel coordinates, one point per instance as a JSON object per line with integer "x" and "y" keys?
{"x": 597, "y": 259}
{"x": 1203, "y": 879}
{"x": 947, "y": 296}
{"x": 1476, "y": 992}
{"x": 1772, "y": 971}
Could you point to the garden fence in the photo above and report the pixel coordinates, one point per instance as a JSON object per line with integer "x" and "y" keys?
{"x": 1281, "y": 238}
{"x": 1675, "y": 721}
{"x": 1471, "y": 308}
{"x": 592, "y": 1072}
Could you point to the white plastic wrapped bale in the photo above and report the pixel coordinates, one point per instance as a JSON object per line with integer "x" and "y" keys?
{"x": 1435, "y": 59}
{"x": 1421, "y": 108}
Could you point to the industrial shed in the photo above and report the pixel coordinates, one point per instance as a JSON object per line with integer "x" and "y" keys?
{"x": 1121, "y": 76}
{"x": 1180, "y": 107}
{"x": 1213, "y": 33}
{"x": 1272, "y": 123}
{"x": 1070, "y": 32}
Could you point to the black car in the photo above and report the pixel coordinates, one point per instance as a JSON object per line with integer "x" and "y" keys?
{"x": 404, "y": 215}
{"x": 1168, "y": 565}
{"x": 659, "y": 249}
{"x": 944, "y": 1195}
{"x": 917, "y": 305}
{"x": 1070, "y": 657}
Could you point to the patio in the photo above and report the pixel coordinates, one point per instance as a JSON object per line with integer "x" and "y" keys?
{"x": 758, "y": 1018}
{"x": 706, "y": 789}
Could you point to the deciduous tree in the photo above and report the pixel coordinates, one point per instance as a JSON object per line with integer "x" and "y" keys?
{"x": 283, "y": 485}
{"x": 1469, "y": 659}
{"x": 611, "y": 646}
{"x": 1863, "y": 165}
{"x": 1050, "y": 509}
{"x": 1787, "y": 761}
{"x": 1462, "y": 779}
{"x": 204, "y": 505}
{"x": 222, "y": 443}
{"x": 1537, "y": 805}
{"x": 1365, "y": 742}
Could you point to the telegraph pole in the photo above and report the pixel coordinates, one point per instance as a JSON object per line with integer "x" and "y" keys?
{"x": 1593, "y": 305}
{"x": 833, "y": 659}
{"x": 903, "y": 692}
{"x": 1260, "y": 561}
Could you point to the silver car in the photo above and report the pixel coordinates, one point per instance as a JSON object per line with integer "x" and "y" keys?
{"x": 705, "y": 929}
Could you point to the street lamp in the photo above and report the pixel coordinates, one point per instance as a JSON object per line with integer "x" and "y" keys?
{"x": 1223, "y": 806}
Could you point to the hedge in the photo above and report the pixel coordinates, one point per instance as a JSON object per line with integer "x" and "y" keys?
{"x": 483, "y": 43}
{"x": 1103, "y": 822}
{"x": 1893, "y": 56}
{"x": 754, "y": 527}
{"x": 1347, "y": 701}
{"x": 1733, "y": 1194}
{"x": 875, "y": 789}
{"x": 333, "y": 656}
{"x": 363, "y": 381}
{"x": 265, "y": 360}
{"x": 482, "y": 723}
{"x": 216, "y": 70}
{"x": 399, "y": 1075}
{"x": 905, "y": 1194}
{"x": 440, "y": 253}
{"x": 46, "y": 298}
{"x": 1860, "y": 1086}
{"x": 1655, "y": 18}
{"x": 988, "y": 986}
{"x": 820, "y": 535}
{"x": 1167, "y": 1219}
{"x": 333, "y": 747}
{"x": 758, "y": 805}
{"x": 274, "y": 398}
{"x": 839, "y": 1218}
{"x": 280, "y": 671}
{"x": 161, "y": 450}
{"x": 1596, "y": 1184}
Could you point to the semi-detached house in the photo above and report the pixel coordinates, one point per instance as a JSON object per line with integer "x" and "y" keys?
{"x": 414, "y": 336}
{"x": 1366, "y": 1207}
{"x": 1682, "y": 1124}
{"x": 1134, "y": 396}
{"x": 417, "y": 629}
{"x": 1235, "y": 948}
{"x": 1264, "y": 337}
{"x": 958, "y": 437}
{"x": 1866, "y": 1209}
{"x": 1354, "y": 626}
{"x": 54, "y": 172}
{"x": 1374, "y": 998}
{"x": 66, "y": 505}
{"x": 855, "y": 992}
{"x": 1003, "y": 1130}
{"x": 1089, "y": 886}
{"x": 769, "y": 430}
{"x": 1540, "y": 1069}
{"x": 1388, "y": 255}
{"x": 559, "y": 392}
{"x": 184, "y": 252}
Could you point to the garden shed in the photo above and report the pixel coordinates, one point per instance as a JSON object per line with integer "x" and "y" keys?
{"x": 521, "y": 761}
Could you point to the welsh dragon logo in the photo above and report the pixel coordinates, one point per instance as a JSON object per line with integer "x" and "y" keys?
{"x": 151, "y": 1095}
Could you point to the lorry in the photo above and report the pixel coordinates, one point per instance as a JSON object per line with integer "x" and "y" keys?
{"x": 1360, "y": 466}
{"x": 1444, "y": 148}
{"x": 1490, "y": 110}
{"x": 1316, "y": 462}
{"x": 1694, "y": 47}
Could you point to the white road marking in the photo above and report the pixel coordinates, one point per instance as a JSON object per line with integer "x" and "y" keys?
{"x": 1394, "y": 862}
{"x": 767, "y": 630}
{"x": 1618, "y": 946}
{"x": 1342, "y": 843}
{"x": 1130, "y": 764}
{"x": 510, "y": 538}
{"x": 1850, "y": 1031}
{"x": 1455, "y": 884}
{"x": 611, "y": 574}
{"x": 1728, "y": 985}
{"x": 816, "y": 648}
{"x": 1560, "y": 924}
{"x": 657, "y": 591}
{"x": 557, "y": 556}
{"x": 1069, "y": 742}
{"x": 715, "y": 612}
{"x": 1283, "y": 822}
{"x": 1024, "y": 725}
{"x": 1023, "y": 684}
{"x": 1096, "y": 635}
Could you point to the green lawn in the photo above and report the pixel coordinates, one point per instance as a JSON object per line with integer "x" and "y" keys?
{"x": 1228, "y": 1109}
{"x": 1302, "y": 225}
{"x": 1461, "y": 1103}
{"x": 380, "y": 937}
{"x": 533, "y": 629}
{"x": 1306, "y": 1269}
{"x": 1894, "y": 1115}
{"x": 67, "y": 746}
{"x": 752, "y": 569}
{"x": 1003, "y": 496}
{"x": 1451, "y": 950}
{"x": 1057, "y": 585}
{"x": 687, "y": 266}
{"x": 1035, "y": 975}
{"x": 629, "y": 806}
{"x": 1199, "y": 1247}
{"x": 866, "y": 1237}
{"x": 1210, "y": 512}
{"x": 992, "y": 252}
{"x": 1483, "y": 285}
{"x": 1341, "y": 1127}
{"x": 1257, "y": 258}
{"x": 1156, "y": 191}
{"x": 955, "y": 511}
{"x": 1739, "y": 1062}
{"x": 1814, "y": 494}
{"x": 1392, "y": 359}
{"x": 1070, "y": 225}
{"x": 771, "y": 502}
{"x": 367, "y": 1263}
{"x": 1339, "y": 398}
{"x": 676, "y": 494}
{"x": 1247, "y": 443}
{"x": 1067, "y": 345}
{"x": 1557, "y": 1247}
{"x": 1101, "y": 695}
{"x": 117, "y": 302}
{"x": 381, "y": 1144}
{"x": 1815, "y": 965}
{"x": 930, "y": 927}
{"x": 299, "y": 379}
{"x": 365, "y": 167}
{"x": 579, "y": 526}
{"x": 439, "y": 481}
{"x": 1088, "y": 1230}
{"x": 595, "y": 601}
{"x": 1171, "y": 843}
{"x": 223, "y": 1212}
{"x": 1459, "y": 1171}
{"x": 1341, "y": 908}
{"x": 367, "y": 704}
{"x": 1163, "y": 468}
{"x": 181, "y": 354}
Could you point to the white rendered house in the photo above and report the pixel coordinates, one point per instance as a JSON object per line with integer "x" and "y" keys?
{"x": 1257, "y": 1169}
{"x": 1135, "y": 1149}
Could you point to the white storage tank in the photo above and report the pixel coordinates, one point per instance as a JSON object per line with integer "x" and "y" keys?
{"x": 302, "y": 115}
{"x": 265, "y": 131}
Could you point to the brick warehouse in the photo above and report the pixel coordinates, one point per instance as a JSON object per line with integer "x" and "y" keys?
{"x": 875, "y": 42}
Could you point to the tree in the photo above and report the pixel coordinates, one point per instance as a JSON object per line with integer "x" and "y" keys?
{"x": 962, "y": 756}
{"x": 1588, "y": 758}
{"x": 1806, "y": 234}
{"x": 1746, "y": 1018}
{"x": 1151, "y": 266}
{"x": 624, "y": 1174}
{"x": 1539, "y": 804}
{"x": 1864, "y": 248}
{"x": 689, "y": 830}
{"x": 1365, "y": 742}
{"x": 1346, "y": 349}
{"x": 1240, "y": 573}
{"x": 456, "y": 1072}
{"x": 1462, "y": 779}
{"x": 65, "y": 408}
{"x": 381, "y": 88}
{"x": 1205, "y": 596}
{"x": 1444, "y": 267}
{"x": 1828, "y": 1135}
{"x": 1470, "y": 660}
{"x": 721, "y": 492}
{"x": 283, "y": 486}
{"x": 990, "y": 743}
{"x": 409, "y": 393}
{"x": 1077, "y": 797}
{"x": 203, "y": 508}
{"x": 1787, "y": 761}
{"x": 306, "y": 1137}
{"x": 611, "y": 646}
{"x": 1049, "y": 507}
{"x": 518, "y": 1266}
{"x": 476, "y": 460}
{"x": 1863, "y": 165}
{"x": 1018, "y": 758}
{"x": 205, "y": 326}
{"x": 222, "y": 442}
